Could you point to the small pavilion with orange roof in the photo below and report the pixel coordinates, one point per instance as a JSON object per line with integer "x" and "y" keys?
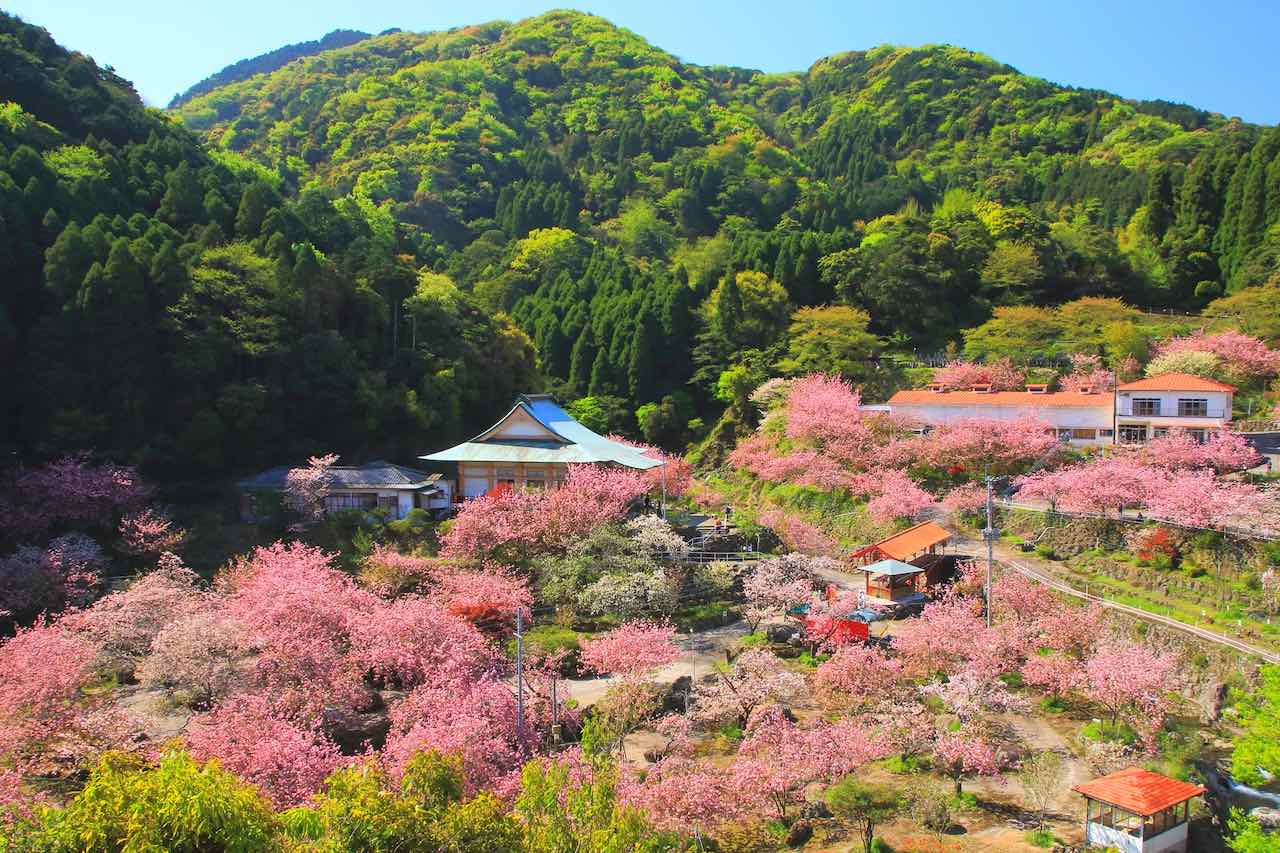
{"x": 1137, "y": 811}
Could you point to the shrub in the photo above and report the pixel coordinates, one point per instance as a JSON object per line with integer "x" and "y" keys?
{"x": 179, "y": 806}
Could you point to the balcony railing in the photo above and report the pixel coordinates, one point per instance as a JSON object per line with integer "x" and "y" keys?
{"x": 1214, "y": 414}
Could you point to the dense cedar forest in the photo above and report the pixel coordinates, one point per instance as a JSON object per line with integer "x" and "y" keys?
{"x": 372, "y": 248}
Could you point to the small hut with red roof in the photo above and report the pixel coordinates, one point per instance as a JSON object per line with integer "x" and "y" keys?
{"x": 1137, "y": 811}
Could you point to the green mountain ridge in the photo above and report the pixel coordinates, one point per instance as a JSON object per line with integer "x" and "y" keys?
{"x": 370, "y": 248}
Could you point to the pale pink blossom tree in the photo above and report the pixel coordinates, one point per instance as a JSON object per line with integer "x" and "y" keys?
{"x": 756, "y": 678}
{"x": 774, "y": 585}
{"x": 34, "y": 579}
{"x": 972, "y": 696}
{"x": 197, "y": 659}
{"x": 124, "y": 623}
{"x": 796, "y": 533}
{"x": 1222, "y": 451}
{"x": 305, "y": 488}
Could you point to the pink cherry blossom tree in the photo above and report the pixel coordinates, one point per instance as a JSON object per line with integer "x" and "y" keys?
{"x": 822, "y": 408}
{"x": 1054, "y": 673}
{"x": 299, "y": 612}
{"x": 632, "y": 651}
{"x": 778, "y": 760}
{"x": 150, "y": 532}
{"x": 72, "y": 492}
{"x": 1001, "y": 375}
{"x": 965, "y": 754}
{"x": 899, "y": 497}
{"x": 1088, "y": 374}
{"x": 414, "y": 641}
{"x": 1222, "y": 451}
{"x": 476, "y": 721}
{"x": 34, "y": 579}
{"x": 858, "y": 675}
{"x": 1131, "y": 682}
{"x": 796, "y": 533}
{"x": 1243, "y": 356}
{"x": 250, "y": 738}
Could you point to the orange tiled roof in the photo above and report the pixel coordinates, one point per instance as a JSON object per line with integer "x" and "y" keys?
{"x": 1176, "y": 382}
{"x": 1015, "y": 399}
{"x": 1139, "y": 791}
{"x": 912, "y": 541}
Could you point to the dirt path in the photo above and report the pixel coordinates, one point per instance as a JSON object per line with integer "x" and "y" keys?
{"x": 702, "y": 650}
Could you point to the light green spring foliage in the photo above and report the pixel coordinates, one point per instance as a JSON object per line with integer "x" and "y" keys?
{"x": 179, "y": 806}
{"x": 1257, "y": 750}
{"x": 564, "y": 816}
{"x": 182, "y": 806}
{"x": 362, "y": 810}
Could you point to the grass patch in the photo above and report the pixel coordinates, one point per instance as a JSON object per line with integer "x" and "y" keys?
{"x": 731, "y": 732}
{"x": 754, "y": 641}
{"x": 904, "y": 765}
{"x": 1013, "y": 679}
{"x": 1104, "y": 731}
{"x": 1040, "y": 838}
{"x": 964, "y": 801}
{"x": 699, "y": 617}
{"x": 1053, "y": 705}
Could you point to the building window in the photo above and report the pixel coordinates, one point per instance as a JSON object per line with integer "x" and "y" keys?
{"x": 1133, "y": 434}
{"x": 535, "y": 479}
{"x": 1159, "y": 432}
{"x": 349, "y": 500}
{"x": 1084, "y": 434}
{"x": 1146, "y": 407}
{"x": 1064, "y": 435}
{"x": 1106, "y": 433}
{"x": 388, "y": 503}
{"x": 1193, "y": 408}
{"x": 1198, "y": 435}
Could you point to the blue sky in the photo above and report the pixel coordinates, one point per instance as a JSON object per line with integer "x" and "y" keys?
{"x": 1218, "y": 56}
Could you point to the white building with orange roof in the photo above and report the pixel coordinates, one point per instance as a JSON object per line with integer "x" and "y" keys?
{"x": 1149, "y": 408}
{"x": 1081, "y": 419}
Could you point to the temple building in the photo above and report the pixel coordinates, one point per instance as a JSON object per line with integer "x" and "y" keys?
{"x": 532, "y": 446}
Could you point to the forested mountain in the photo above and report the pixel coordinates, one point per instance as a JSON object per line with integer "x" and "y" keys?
{"x": 374, "y": 241}
{"x": 163, "y": 302}
{"x": 268, "y": 62}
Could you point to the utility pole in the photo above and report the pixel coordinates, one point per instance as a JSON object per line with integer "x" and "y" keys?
{"x": 520, "y": 675}
{"x": 990, "y": 534}
{"x": 555, "y": 712}
{"x": 664, "y": 491}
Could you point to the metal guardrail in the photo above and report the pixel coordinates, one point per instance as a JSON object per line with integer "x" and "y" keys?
{"x": 1203, "y": 633}
{"x": 1248, "y": 532}
{"x": 722, "y": 556}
